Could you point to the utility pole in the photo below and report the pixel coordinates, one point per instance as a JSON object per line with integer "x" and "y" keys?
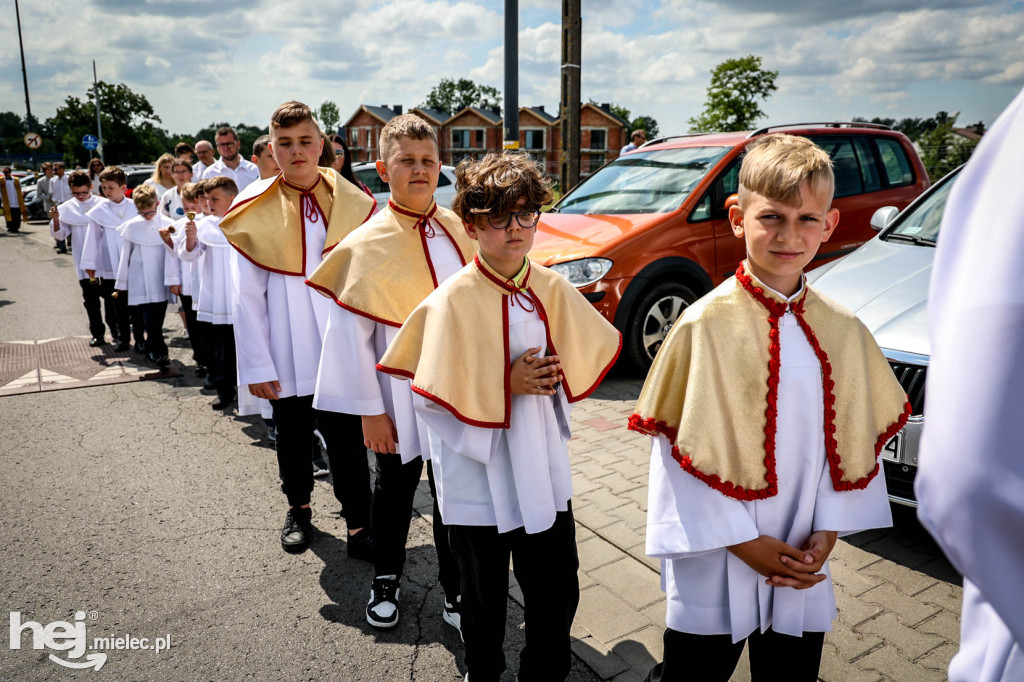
{"x": 24, "y": 73}
{"x": 511, "y": 123}
{"x": 572, "y": 54}
{"x": 99, "y": 125}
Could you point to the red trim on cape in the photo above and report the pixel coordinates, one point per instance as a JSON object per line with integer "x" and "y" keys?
{"x": 508, "y": 362}
{"x": 506, "y": 284}
{"x": 264, "y": 267}
{"x": 328, "y": 249}
{"x": 426, "y": 255}
{"x": 458, "y": 251}
{"x": 330, "y": 294}
{"x": 458, "y": 415}
{"x": 395, "y": 371}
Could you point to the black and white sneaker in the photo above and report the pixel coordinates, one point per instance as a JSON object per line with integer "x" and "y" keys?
{"x": 452, "y": 614}
{"x": 382, "y": 610}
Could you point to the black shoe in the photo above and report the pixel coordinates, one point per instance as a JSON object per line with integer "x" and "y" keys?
{"x": 297, "y": 529}
{"x": 208, "y": 385}
{"x": 121, "y": 346}
{"x": 163, "y": 361}
{"x": 200, "y": 370}
{"x": 272, "y": 435}
{"x": 320, "y": 467}
{"x": 223, "y": 401}
{"x": 140, "y": 347}
{"x": 62, "y": 251}
{"x": 382, "y": 610}
{"x": 360, "y": 546}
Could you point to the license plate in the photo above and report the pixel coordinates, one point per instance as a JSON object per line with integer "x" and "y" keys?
{"x": 893, "y": 450}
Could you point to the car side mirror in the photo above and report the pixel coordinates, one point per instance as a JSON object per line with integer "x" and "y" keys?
{"x": 883, "y": 217}
{"x": 732, "y": 200}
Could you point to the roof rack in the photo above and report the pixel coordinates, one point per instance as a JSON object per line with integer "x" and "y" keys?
{"x": 671, "y": 137}
{"x": 826, "y": 124}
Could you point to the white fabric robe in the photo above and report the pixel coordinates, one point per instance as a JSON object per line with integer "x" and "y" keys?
{"x": 970, "y": 484}
{"x": 246, "y": 173}
{"x": 280, "y": 321}
{"x": 212, "y": 258}
{"x": 101, "y": 250}
{"x": 147, "y": 267}
{"x": 510, "y": 478}
{"x": 689, "y": 524}
{"x": 73, "y": 223}
{"x": 187, "y": 269}
{"x": 348, "y": 380}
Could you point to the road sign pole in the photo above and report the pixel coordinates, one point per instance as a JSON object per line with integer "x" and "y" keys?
{"x": 99, "y": 124}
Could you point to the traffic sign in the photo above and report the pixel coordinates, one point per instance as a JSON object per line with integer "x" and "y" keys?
{"x": 90, "y": 142}
{"x": 33, "y": 140}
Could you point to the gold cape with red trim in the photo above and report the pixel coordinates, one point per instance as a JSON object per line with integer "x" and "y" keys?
{"x": 713, "y": 389}
{"x": 454, "y": 346}
{"x": 7, "y": 204}
{"x": 266, "y": 221}
{"x": 382, "y": 270}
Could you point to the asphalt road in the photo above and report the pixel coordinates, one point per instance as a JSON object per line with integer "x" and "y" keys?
{"x": 153, "y": 515}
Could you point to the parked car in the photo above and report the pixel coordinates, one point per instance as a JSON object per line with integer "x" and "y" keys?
{"x": 366, "y": 172}
{"x": 648, "y": 233}
{"x": 885, "y": 282}
{"x": 136, "y": 175}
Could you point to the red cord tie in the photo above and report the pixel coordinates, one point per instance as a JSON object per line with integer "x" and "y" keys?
{"x": 526, "y": 301}
{"x": 308, "y": 204}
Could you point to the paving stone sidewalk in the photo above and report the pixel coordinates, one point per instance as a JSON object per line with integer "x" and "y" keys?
{"x": 898, "y": 598}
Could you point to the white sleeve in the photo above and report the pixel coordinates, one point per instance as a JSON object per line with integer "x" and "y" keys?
{"x": 472, "y": 442}
{"x": 62, "y": 232}
{"x": 347, "y": 380}
{"x": 92, "y": 246}
{"x": 172, "y": 267}
{"x": 687, "y": 517}
{"x": 851, "y": 511}
{"x": 251, "y": 322}
{"x": 186, "y": 255}
{"x": 970, "y": 483}
{"x": 121, "y": 284}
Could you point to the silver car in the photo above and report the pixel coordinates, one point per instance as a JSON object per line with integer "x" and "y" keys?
{"x": 885, "y": 282}
{"x": 366, "y": 172}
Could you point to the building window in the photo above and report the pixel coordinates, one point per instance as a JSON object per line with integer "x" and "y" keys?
{"x": 480, "y": 138}
{"x": 460, "y": 138}
{"x": 534, "y": 139}
{"x": 354, "y": 136}
{"x": 598, "y": 140}
{"x": 596, "y": 161}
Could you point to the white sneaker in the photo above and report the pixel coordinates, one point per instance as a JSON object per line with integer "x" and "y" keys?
{"x": 382, "y": 609}
{"x": 453, "y": 616}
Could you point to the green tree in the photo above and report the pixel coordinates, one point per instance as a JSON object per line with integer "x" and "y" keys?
{"x": 737, "y": 85}
{"x": 130, "y": 133}
{"x": 452, "y": 96}
{"x": 941, "y": 149}
{"x": 329, "y": 116}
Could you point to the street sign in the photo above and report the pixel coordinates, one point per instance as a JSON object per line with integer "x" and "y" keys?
{"x": 33, "y": 140}
{"x": 90, "y": 142}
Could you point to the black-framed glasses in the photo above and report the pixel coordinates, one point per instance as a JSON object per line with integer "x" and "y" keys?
{"x": 527, "y": 218}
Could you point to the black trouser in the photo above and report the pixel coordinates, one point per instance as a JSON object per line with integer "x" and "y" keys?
{"x": 122, "y": 327}
{"x": 201, "y": 346}
{"x": 191, "y": 328}
{"x": 223, "y": 367}
{"x": 296, "y": 419}
{"x": 152, "y": 315}
{"x": 14, "y": 224}
{"x": 393, "y": 493}
{"x": 713, "y": 658}
{"x": 545, "y": 565}
{"x": 92, "y": 292}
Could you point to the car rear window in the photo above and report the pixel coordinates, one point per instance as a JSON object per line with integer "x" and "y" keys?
{"x": 655, "y": 181}
{"x": 895, "y": 162}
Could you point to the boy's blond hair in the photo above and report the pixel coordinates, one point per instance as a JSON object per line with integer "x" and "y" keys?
{"x": 406, "y": 125}
{"x": 144, "y": 196}
{"x": 190, "y": 192}
{"x": 496, "y": 182}
{"x": 220, "y": 182}
{"x": 776, "y": 165}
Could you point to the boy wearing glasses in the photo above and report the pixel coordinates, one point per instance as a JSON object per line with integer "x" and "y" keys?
{"x": 147, "y": 269}
{"x": 69, "y": 219}
{"x": 231, "y": 164}
{"x": 377, "y": 275}
{"x": 495, "y": 355}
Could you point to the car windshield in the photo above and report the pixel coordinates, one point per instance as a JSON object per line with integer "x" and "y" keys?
{"x": 921, "y": 224}
{"x": 643, "y": 182}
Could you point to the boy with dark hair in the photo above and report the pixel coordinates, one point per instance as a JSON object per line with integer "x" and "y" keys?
{"x": 263, "y": 159}
{"x": 101, "y": 253}
{"x": 69, "y": 219}
{"x": 377, "y": 276}
{"x": 495, "y": 354}
{"x": 768, "y": 405}
{"x": 279, "y": 228}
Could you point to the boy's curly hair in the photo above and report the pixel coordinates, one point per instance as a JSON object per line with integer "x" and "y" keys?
{"x": 496, "y": 182}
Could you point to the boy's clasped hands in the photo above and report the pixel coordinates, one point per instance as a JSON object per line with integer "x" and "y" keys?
{"x": 531, "y": 375}
{"x": 784, "y": 565}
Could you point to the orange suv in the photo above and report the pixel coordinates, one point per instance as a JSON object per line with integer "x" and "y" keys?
{"x": 648, "y": 233}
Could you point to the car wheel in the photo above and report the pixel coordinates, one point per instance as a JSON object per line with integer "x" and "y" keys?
{"x": 653, "y": 319}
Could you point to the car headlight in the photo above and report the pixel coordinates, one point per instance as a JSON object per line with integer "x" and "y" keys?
{"x": 582, "y": 272}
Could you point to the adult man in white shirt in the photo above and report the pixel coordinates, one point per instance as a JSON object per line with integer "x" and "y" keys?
{"x": 231, "y": 164}
{"x": 204, "y": 150}
{"x": 59, "y": 193}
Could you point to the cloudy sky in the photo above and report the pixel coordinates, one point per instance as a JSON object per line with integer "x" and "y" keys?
{"x": 234, "y": 60}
